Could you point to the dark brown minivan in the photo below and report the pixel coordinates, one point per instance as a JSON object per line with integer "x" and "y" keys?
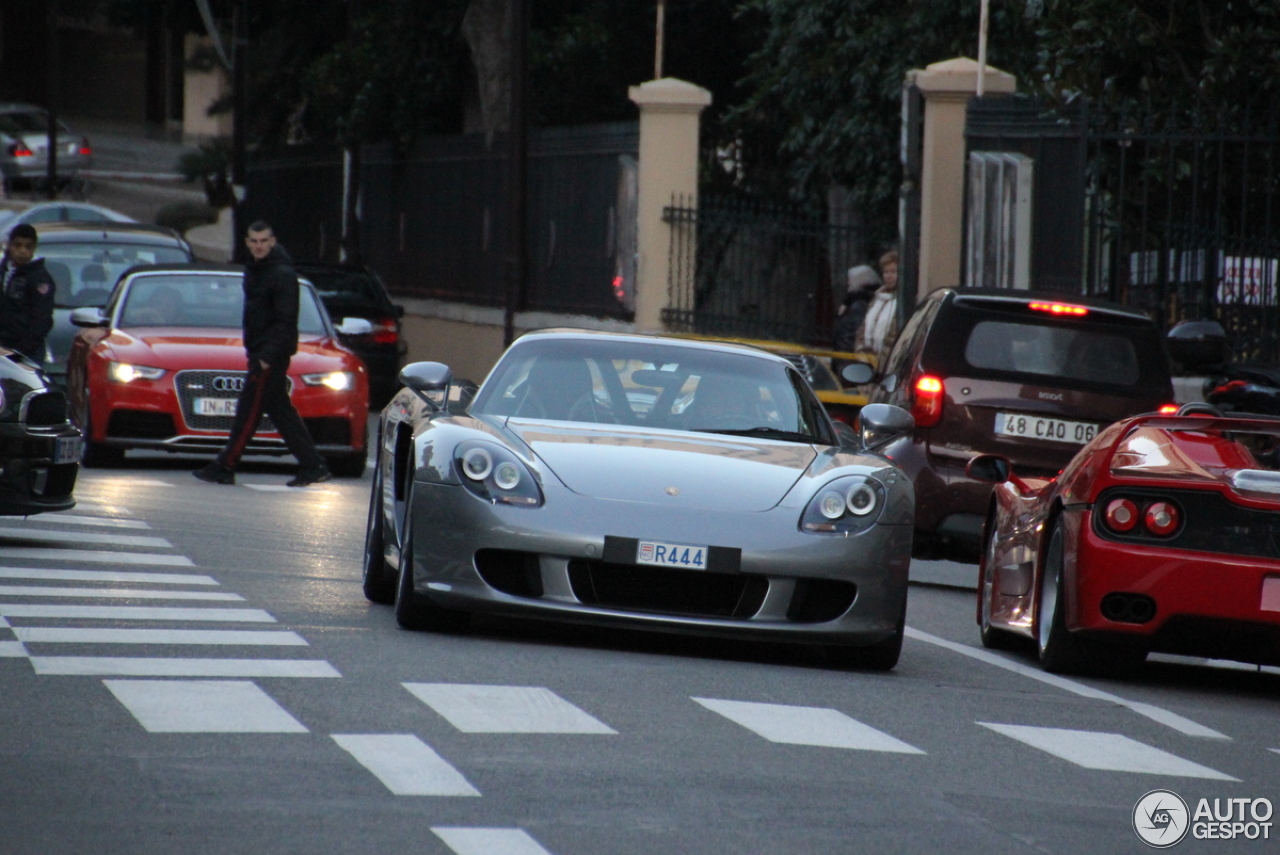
{"x": 1029, "y": 375}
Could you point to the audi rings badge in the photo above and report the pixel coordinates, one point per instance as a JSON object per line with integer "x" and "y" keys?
{"x": 228, "y": 384}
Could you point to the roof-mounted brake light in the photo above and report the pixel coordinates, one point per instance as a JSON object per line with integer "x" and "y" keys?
{"x": 1060, "y": 309}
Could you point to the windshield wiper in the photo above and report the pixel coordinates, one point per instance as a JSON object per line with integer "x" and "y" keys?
{"x": 764, "y": 433}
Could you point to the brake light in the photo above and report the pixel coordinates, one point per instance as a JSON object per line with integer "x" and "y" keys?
{"x": 85, "y": 149}
{"x": 1162, "y": 518}
{"x": 386, "y": 331}
{"x": 1168, "y": 409}
{"x": 1121, "y": 515}
{"x": 926, "y": 409}
{"x": 1061, "y": 309}
{"x": 19, "y": 149}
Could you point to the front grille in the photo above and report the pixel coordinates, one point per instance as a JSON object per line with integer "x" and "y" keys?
{"x": 659, "y": 590}
{"x": 820, "y": 600}
{"x": 139, "y": 424}
{"x": 199, "y": 384}
{"x": 329, "y": 430}
{"x": 46, "y": 409}
{"x": 511, "y": 572}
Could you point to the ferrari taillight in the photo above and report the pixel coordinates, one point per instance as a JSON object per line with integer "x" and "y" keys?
{"x": 1168, "y": 409}
{"x": 386, "y": 331}
{"x": 926, "y": 409}
{"x": 1121, "y": 515}
{"x": 1161, "y": 518}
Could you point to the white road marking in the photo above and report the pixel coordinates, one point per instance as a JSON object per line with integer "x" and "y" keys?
{"x": 104, "y": 576}
{"x": 270, "y": 488}
{"x": 505, "y": 709}
{"x": 1225, "y": 664}
{"x": 22, "y": 610}
{"x": 47, "y": 536}
{"x": 3, "y": 623}
{"x": 115, "y": 482}
{"x": 1156, "y": 714}
{"x": 405, "y": 764}
{"x": 114, "y": 593}
{"x": 12, "y": 650}
{"x": 101, "y": 505}
{"x": 76, "y": 556}
{"x": 203, "y": 706}
{"x": 74, "y": 635}
{"x": 1108, "y": 751}
{"x": 73, "y": 519}
{"x": 101, "y": 666}
{"x": 793, "y": 725}
{"x": 489, "y": 841}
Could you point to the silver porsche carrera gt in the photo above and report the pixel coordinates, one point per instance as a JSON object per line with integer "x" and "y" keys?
{"x": 653, "y": 482}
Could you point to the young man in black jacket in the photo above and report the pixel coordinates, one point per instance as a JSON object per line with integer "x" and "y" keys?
{"x": 270, "y": 339}
{"x": 26, "y": 295}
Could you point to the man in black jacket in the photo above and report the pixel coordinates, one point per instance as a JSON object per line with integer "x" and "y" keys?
{"x": 270, "y": 339}
{"x": 26, "y": 295}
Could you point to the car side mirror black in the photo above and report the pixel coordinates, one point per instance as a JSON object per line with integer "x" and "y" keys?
{"x": 857, "y": 373}
{"x": 879, "y": 424}
{"x": 1198, "y": 345}
{"x": 427, "y": 378}
{"x": 989, "y": 468}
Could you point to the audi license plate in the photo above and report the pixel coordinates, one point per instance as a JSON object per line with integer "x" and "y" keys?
{"x": 1039, "y": 427}
{"x": 67, "y": 449}
{"x": 672, "y": 555}
{"x": 215, "y": 406}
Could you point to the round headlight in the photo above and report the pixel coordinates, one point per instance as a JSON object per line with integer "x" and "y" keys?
{"x": 477, "y": 464}
{"x": 506, "y": 476}
{"x": 862, "y": 500}
{"x": 832, "y": 505}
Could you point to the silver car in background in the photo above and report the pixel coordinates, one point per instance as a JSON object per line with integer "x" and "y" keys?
{"x": 24, "y": 147}
{"x": 643, "y": 481}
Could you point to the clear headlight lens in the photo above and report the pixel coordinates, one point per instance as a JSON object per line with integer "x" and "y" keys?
{"x": 496, "y": 475}
{"x": 123, "y": 372}
{"x": 861, "y": 500}
{"x": 847, "y": 505}
{"x": 477, "y": 464}
{"x": 506, "y": 476}
{"x": 338, "y": 381}
{"x": 832, "y": 505}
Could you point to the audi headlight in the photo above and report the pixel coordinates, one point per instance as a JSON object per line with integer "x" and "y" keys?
{"x": 123, "y": 372}
{"x": 845, "y": 506}
{"x": 496, "y": 475}
{"x": 338, "y": 381}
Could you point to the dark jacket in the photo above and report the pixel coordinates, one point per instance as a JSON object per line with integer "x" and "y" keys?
{"x": 855, "y": 310}
{"x": 26, "y": 307}
{"x": 271, "y": 308}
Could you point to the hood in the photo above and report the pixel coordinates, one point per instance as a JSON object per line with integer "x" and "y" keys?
{"x": 211, "y": 348}
{"x": 682, "y": 470}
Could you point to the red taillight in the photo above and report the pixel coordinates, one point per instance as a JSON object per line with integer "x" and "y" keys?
{"x": 1168, "y": 409}
{"x": 619, "y": 289}
{"x": 1064, "y": 309}
{"x": 20, "y": 150}
{"x": 85, "y": 149}
{"x": 386, "y": 331}
{"x": 927, "y": 407}
{"x": 1161, "y": 518}
{"x": 1121, "y": 515}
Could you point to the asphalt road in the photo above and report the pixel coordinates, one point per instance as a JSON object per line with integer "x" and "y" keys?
{"x": 249, "y": 699}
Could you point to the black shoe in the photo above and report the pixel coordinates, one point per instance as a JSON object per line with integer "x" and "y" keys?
{"x": 216, "y": 473}
{"x": 307, "y": 477}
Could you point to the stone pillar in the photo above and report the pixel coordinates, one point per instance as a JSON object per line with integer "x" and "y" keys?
{"x": 946, "y": 87}
{"x": 670, "y": 113}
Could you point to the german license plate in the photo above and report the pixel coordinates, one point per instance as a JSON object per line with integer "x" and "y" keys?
{"x": 1039, "y": 427}
{"x": 680, "y": 555}
{"x": 215, "y": 406}
{"x": 67, "y": 449}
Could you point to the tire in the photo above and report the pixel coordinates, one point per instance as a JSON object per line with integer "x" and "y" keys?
{"x": 992, "y": 637}
{"x": 379, "y": 578}
{"x": 96, "y": 455}
{"x": 413, "y": 610}
{"x": 348, "y": 465}
{"x": 881, "y": 656}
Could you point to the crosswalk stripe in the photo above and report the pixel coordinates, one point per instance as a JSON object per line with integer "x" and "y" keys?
{"x": 77, "y": 556}
{"x": 23, "y": 610}
{"x": 114, "y": 593}
{"x": 12, "y": 650}
{"x": 1107, "y": 751}
{"x": 48, "y": 536}
{"x": 269, "y": 488}
{"x": 115, "y": 482}
{"x": 236, "y": 637}
{"x": 819, "y": 726}
{"x": 488, "y": 841}
{"x": 405, "y": 764}
{"x": 100, "y": 505}
{"x": 203, "y": 706}
{"x": 102, "y": 666}
{"x": 505, "y": 709}
{"x": 51, "y": 574}
{"x": 74, "y": 519}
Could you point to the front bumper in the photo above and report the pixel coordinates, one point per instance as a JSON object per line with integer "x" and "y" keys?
{"x": 30, "y": 481}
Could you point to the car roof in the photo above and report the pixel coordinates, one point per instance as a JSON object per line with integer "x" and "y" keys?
{"x": 108, "y": 232}
{"x": 997, "y": 296}
{"x": 571, "y": 334}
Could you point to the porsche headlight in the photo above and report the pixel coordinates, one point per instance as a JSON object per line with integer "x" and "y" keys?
{"x": 845, "y": 506}
{"x": 496, "y": 475}
{"x": 338, "y": 381}
{"x": 123, "y": 372}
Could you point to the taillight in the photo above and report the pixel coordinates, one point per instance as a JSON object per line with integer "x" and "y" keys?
{"x": 1121, "y": 515}
{"x": 386, "y": 331}
{"x": 1161, "y": 518}
{"x": 1168, "y": 409}
{"x": 926, "y": 409}
{"x": 85, "y": 148}
{"x": 19, "y": 149}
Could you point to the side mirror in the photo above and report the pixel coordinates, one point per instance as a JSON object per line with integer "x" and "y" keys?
{"x": 354, "y": 326}
{"x": 857, "y": 373}
{"x": 890, "y": 383}
{"x": 1198, "y": 345}
{"x": 879, "y": 424}
{"x": 989, "y": 468}
{"x": 88, "y": 316}
{"x": 426, "y": 378}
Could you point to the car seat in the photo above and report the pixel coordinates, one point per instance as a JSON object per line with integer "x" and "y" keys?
{"x": 94, "y": 287}
{"x": 555, "y": 385}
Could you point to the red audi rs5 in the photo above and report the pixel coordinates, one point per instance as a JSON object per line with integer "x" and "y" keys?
{"x": 161, "y": 365}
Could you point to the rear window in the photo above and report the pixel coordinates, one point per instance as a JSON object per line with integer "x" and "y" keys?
{"x": 1094, "y": 356}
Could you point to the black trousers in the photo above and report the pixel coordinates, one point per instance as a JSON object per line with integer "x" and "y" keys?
{"x": 266, "y": 391}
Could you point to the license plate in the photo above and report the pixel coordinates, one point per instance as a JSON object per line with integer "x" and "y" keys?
{"x": 215, "y": 406}
{"x": 672, "y": 555}
{"x": 67, "y": 449}
{"x": 1039, "y": 427}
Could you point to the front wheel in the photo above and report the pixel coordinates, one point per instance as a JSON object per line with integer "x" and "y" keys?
{"x": 379, "y": 578}
{"x": 414, "y": 610}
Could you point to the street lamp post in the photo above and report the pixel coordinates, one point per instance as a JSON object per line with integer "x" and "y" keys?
{"x": 982, "y": 48}
{"x": 660, "y": 37}
{"x": 51, "y": 144}
{"x": 517, "y": 187}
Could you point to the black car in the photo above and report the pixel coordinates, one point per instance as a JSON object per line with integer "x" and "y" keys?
{"x": 350, "y": 291}
{"x": 85, "y": 260}
{"x": 39, "y": 448}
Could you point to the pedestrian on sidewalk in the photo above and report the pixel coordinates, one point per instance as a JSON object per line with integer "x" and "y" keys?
{"x": 270, "y": 339}
{"x": 26, "y": 295}
{"x": 879, "y": 328}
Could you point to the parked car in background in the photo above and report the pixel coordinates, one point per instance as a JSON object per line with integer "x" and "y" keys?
{"x": 357, "y": 292}
{"x": 1160, "y": 535}
{"x": 85, "y": 260}
{"x": 24, "y": 147}
{"x": 59, "y": 212}
{"x": 39, "y": 447}
{"x": 161, "y": 366}
{"x": 1031, "y": 376}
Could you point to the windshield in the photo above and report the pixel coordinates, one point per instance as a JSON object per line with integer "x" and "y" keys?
{"x": 653, "y": 384}
{"x": 199, "y": 300}
{"x": 86, "y": 273}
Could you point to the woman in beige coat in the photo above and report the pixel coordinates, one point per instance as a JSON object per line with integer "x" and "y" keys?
{"x": 879, "y": 328}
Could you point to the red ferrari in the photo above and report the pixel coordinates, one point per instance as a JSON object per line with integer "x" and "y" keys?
{"x": 161, "y": 365}
{"x": 1162, "y": 534}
